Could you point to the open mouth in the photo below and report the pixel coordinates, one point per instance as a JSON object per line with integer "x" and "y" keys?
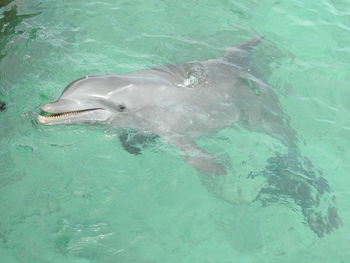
{"x": 62, "y": 115}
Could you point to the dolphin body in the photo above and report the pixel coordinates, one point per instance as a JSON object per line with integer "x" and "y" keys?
{"x": 183, "y": 102}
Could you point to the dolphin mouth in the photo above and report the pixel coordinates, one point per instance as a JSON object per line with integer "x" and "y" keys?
{"x": 58, "y": 115}
{"x": 46, "y": 116}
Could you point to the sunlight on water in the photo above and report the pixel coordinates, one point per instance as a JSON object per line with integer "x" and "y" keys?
{"x": 73, "y": 194}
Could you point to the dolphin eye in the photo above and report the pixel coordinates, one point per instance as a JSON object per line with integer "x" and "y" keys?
{"x": 121, "y": 108}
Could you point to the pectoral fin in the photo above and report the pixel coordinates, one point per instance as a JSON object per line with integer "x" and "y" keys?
{"x": 197, "y": 158}
{"x": 133, "y": 141}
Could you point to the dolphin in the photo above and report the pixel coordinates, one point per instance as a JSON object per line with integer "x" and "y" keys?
{"x": 178, "y": 103}
{"x": 183, "y": 102}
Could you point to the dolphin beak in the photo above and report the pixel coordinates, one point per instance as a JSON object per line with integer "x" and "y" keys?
{"x": 60, "y": 106}
{"x": 64, "y": 105}
{"x": 64, "y": 112}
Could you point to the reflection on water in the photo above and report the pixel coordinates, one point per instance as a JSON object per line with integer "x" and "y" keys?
{"x": 9, "y": 21}
{"x": 72, "y": 195}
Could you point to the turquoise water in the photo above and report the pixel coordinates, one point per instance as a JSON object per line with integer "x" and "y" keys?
{"x": 72, "y": 194}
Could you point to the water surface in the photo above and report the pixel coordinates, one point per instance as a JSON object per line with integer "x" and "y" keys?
{"x": 72, "y": 194}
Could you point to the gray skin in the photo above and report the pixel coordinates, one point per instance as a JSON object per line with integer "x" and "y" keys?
{"x": 179, "y": 103}
{"x": 183, "y": 102}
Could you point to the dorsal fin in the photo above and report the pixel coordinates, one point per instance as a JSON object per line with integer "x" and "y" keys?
{"x": 249, "y": 44}
{"x": 240, "y": 55}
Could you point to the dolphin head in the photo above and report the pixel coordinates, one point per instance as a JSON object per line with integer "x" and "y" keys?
{"x": 91, "y": 99}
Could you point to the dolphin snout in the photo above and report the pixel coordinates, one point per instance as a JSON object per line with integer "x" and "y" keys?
{"x": 65, "y": 106}
{"x": 46, "y": 107}
{"x": 54, "y": 107}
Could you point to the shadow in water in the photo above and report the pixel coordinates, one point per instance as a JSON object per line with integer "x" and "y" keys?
{"x": 293, "y": 177}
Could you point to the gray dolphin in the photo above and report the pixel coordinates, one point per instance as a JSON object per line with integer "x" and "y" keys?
{"x": 178, "y": 102}
{"x": 183, "y": 102}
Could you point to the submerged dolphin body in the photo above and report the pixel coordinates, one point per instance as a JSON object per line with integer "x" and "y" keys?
{"x": 183, "y": 102}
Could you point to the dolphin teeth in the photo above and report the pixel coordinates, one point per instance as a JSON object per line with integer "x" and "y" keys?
{"x": 62, "y": 115}
{"x": 59, "y": 115}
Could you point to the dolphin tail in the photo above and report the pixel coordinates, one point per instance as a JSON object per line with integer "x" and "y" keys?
{"x": 288, "y": 178}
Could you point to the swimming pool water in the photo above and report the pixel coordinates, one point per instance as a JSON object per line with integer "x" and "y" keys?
{"x": 72, "y": 194}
